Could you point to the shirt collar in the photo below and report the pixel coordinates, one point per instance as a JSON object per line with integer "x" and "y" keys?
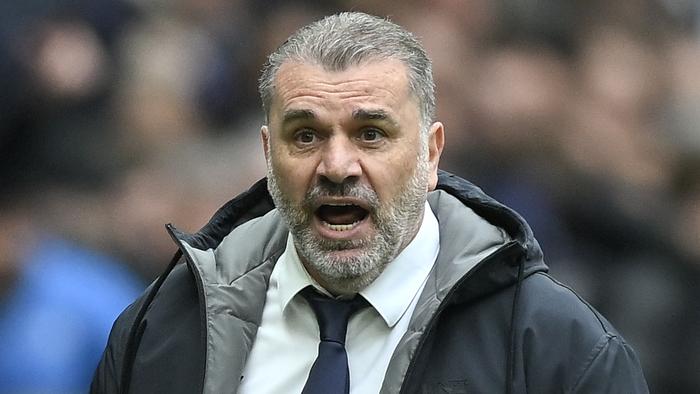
{"x": 293, "y": 277}
{"x": 393, "y": 291}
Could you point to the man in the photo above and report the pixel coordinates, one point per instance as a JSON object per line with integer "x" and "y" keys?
{"x": 448, "y": 288}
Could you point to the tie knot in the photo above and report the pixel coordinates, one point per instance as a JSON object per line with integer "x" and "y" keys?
{"x": 332, "y": 314}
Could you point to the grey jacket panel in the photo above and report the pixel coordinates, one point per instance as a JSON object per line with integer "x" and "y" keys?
{"x": 235, "y": 276}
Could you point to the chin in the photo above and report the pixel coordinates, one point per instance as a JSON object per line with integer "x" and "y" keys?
{"x": 348, "y": 271}
{"x": 351, "y": 285}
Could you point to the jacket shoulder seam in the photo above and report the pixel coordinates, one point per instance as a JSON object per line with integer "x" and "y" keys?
{"x": 603, "y": 325}
{"x": 595, "y": 353}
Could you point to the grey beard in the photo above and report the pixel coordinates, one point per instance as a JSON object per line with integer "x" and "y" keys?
{"x": 396, "y": 221}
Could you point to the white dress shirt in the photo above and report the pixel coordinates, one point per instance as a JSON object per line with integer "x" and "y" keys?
{"x": 286, "y": 344}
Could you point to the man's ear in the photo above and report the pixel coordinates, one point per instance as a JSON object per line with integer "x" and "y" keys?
{"x": 436, "y": 141}
{"x": 265, "y": 137}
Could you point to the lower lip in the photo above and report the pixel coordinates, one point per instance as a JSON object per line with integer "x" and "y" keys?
{"x": 356, "y": 232}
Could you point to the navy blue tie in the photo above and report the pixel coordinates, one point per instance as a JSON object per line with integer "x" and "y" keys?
{"x": 330, "y": 373}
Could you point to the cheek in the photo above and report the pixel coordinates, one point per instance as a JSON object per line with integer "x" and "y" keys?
{"x": 292, "y": 175}
{"x": 390, "y": 176}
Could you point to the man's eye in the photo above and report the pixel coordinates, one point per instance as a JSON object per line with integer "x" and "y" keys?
{"x": 305, "y": 137}
{"x": 371, "y": 135}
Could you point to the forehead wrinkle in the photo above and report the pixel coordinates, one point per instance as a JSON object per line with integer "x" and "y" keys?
{"x": 343, "y": 90}
{"x": 304, "y": 86}
{"x": 323, "y": 83}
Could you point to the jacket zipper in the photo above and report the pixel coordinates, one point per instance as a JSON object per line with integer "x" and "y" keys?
{"x": 429, "y": 327}
{"x": 200, "y": 294}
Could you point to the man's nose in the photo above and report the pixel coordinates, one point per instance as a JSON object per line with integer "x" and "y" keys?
{"x": 340, "y": 160}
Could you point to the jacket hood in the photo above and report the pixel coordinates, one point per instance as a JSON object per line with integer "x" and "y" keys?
{"x": 517, "y": 258}
{"x": 491, "y": 210}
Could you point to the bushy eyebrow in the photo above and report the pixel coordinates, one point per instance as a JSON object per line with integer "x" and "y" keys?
{"x": 358, "y": 114}
{"x": 298, "y": 114}
{"x": 374, "y": 114}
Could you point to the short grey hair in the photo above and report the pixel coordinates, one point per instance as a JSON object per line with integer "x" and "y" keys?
{"x": 349, "y": 38}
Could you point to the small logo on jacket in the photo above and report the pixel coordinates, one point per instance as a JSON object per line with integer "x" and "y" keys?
{"x": 448, "y": 387}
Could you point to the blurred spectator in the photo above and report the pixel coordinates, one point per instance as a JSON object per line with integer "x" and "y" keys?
{"x": 58, "y": 298}
{"x": 57, "y": 305}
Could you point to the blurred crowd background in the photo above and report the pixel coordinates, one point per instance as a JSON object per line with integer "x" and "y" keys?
{"x": 118, "y": 116}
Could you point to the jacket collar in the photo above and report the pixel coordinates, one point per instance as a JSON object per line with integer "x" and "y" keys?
{"x": 491, "y": 210}
{"x": 494, "y": 274}
{"x": 256, "y": 202}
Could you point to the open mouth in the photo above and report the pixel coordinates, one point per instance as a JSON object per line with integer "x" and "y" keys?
{"x": 341, "y": 216}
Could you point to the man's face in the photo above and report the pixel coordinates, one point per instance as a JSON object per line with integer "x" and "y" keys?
{"x": 348, "y": 168}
